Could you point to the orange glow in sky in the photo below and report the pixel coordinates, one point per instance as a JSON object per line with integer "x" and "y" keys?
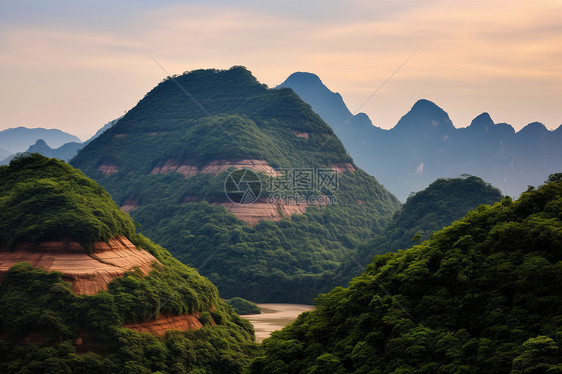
{"x": 77, "y": 65}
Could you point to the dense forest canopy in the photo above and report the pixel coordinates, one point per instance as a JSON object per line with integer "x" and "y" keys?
{"x": 480, "y": 296}
{"x": 46, "y": 328}
{"x": 442, "y": 202}
{"x": 228, "y": 114}
{"x": 45, "y": 199}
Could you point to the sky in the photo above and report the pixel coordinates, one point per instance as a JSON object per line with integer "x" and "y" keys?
{"x": 76, "y": 65}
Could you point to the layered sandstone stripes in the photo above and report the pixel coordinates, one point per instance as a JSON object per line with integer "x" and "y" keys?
{"x": 160, "y": 325}
{"x": 88, "y": 273}
{"x": 215, "y": 167}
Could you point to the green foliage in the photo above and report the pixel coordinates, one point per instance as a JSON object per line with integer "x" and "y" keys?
{"x": 427, "y": 211}
{"x": 286, "y": 261}
{"x": 242, "y": 306}
{"x": 42, "y": 321}
{"x": 553, "y": 178}
{"x": 44, "y": 199}
{"x": 482, "y": 295}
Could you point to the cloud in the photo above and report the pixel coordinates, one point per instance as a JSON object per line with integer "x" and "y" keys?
{"x": 469, "y": 57}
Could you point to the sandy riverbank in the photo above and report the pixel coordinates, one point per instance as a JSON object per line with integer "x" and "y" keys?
{"x": 274, "y": 317}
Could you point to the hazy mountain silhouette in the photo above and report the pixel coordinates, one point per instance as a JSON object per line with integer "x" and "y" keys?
{"x": 19, "y": 139}
{"x": 424, "y": 145}
{"x": 63, "y": 152}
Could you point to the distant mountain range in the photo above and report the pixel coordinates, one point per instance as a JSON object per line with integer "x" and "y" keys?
{"x": 48, "y": 142}
{"x": 20, "y": 138}
{"x": 424, "y": 145}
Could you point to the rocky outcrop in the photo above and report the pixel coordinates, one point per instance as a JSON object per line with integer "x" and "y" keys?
{"x": 160, "y": 325}
{"x": 300, "y": 134}
{"x": 88, "y": 273}
{"x": 129, "y": 205}
{"x": 342, "y": 168}
{"x": 269, "y": 211}
{"x": 215, "y": 167}
{"x": 108, "y": 169}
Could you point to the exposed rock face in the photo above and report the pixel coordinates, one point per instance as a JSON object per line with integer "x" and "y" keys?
{"x": 108, "y": 169}
{"x": 129, "y": 205}
{"x": 88, "y": 273}
{"x": 301, "y": 134}
{"x": 214, "y": 167}
{"x": 162, "y": 324}
{"x": 342, "y": 168}
{"x": 263, "y": 210}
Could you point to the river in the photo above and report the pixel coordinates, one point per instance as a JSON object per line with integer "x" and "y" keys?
{"x": 274, "y": 317}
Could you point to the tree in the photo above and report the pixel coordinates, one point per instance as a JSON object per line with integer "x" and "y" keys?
{"x": 554, "y": 178}
{"x": 539, "y": 355}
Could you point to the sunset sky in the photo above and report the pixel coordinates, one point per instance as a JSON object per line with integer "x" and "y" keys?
{"x": 75, "y": 65}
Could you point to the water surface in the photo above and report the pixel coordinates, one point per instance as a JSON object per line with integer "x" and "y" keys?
{"x": 274, "y": 317}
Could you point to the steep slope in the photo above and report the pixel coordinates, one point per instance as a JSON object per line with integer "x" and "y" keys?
{"x": 76, "y": 278}
{"x": 481, "y": 296}
{"x": 425, "y": 146}
{"x": 167, "y": 162}
{"x": 439, "y": 205}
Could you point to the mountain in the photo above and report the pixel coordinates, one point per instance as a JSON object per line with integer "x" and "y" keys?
{"x": 19, "y": 139}
{"x": 424, "y": 145}
{"x": 439, "y": 205}
{"x": 480, "y": 296}
{"x": 82, "y": 292}
{"x": 65, "y": 152}
{"x": 102, "y": 130}
{"x": 274, "y": 232}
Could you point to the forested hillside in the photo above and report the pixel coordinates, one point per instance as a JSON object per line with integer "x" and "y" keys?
{"x": 480, "y": 296}
{"x": 47, "y": 327}
{"x": 168, "y": 159}
{"x": 440, "y": 204}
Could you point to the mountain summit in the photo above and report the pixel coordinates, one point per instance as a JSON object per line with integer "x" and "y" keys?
{"x": 424, "y": 145}
{"x": 424, "y": 116}
{"x": 274, "y": 232}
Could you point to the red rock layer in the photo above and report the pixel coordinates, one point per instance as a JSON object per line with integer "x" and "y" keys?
{"x": 129, "y": 205}
{"x": 214, "y": 167}
{"x": 88, "y": 273}
{"x": 342, "y": 168}
{"x": 301, "y": 134}
{"x": 260, "y": 210}
{"x": 108, "y": 169}
{"x": 162, "y": 324}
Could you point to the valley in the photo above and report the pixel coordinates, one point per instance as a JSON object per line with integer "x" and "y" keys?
{"x": 257, "y": 198}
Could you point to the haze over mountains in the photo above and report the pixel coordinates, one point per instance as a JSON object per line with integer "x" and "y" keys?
{"x": 19, "y": 139}
{"x": 48, "y": 142}
{"x": 251, "y": 187}
{"x": 425, "y": 145}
